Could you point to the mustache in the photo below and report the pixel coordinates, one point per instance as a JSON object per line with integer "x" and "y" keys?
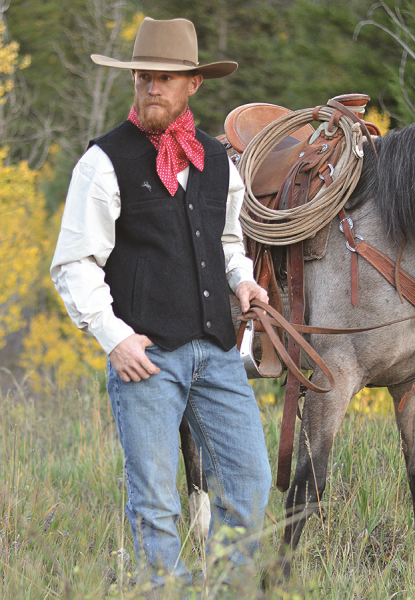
{"x": 151, "y": 101}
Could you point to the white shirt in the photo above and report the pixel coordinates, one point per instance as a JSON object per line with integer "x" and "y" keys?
{"x": 87, "y": 238}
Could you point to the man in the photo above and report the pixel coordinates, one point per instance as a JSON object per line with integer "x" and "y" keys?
{"x": 150, "y": 241}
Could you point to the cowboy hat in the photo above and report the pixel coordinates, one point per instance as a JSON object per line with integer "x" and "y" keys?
{"x": 167, "y": 46}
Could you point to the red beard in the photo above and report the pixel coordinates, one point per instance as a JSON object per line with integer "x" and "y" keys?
{"x": 162, "y": 119}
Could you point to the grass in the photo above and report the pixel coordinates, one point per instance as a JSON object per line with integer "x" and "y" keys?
{"x": 62, "y": 497}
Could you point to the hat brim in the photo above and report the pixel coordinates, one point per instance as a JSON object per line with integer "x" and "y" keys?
{"x": 210, "y": 71}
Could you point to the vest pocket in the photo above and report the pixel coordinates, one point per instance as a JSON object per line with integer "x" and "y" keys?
{"x": 138, "y": 286}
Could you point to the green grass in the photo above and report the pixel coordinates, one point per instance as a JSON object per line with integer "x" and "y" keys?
{"x": 62, "y": 497}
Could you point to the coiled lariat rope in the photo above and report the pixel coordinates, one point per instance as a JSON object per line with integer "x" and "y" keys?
{"x": 303, "y": 221}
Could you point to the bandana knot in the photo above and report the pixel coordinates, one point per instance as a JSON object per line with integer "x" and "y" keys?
{"x": 177, "y": 147}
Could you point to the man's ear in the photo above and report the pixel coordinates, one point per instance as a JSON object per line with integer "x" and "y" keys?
{"x": 133, "y": 74}
{"x": 195, "y": 81}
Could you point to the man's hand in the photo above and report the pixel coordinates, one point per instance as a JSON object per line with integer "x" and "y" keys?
{"x": 247, "y": 291}
{"x": 130, "y": 360}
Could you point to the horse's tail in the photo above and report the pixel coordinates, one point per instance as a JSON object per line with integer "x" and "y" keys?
{"x": 390, "y": 182}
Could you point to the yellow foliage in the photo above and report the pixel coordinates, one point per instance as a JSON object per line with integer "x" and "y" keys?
{"x": 371, "y": 401}
{"x": 380, "y": 119}
{"x": 23, "y": 243}
{"x": 56, "y": 353}
{"x": 9, "y": 62}
{"x": 130, "y": 29}
{"x": 265, "y": 399}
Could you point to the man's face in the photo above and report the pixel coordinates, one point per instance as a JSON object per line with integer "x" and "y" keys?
{"x": 162, "y": 97}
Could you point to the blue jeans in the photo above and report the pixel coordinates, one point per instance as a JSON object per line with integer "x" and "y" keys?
{"x": 210, "y": 387}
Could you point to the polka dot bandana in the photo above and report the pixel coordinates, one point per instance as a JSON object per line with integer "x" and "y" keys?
{"x": 177, "y": 146}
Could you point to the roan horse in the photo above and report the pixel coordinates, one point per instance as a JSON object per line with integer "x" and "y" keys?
{"x": 383, "y": 211}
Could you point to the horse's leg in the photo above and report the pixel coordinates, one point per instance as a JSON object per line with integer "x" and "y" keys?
{"x": 405, "y": 420}
{"x": 321, "y": 419}
{"x": 196, "y": 484}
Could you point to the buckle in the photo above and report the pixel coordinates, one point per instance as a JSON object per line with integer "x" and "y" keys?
{"x": 348, "y": 246}
{"x": 330, "y": 166}
{"x": 350, "y": 222}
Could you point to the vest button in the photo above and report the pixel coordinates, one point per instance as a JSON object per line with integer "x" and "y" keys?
{"x": 206, "y": 294}
{"x": 208, "y": 324}
{"x": 197, "y": 233}
{"x": 190, "y": 206}
{"x": 203, "y": 264}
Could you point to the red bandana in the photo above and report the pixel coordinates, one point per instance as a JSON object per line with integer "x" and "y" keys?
{"x": 177, "y": 146}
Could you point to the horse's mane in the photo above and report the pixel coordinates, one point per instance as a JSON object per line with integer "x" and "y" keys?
{"x": 390, "y": 182}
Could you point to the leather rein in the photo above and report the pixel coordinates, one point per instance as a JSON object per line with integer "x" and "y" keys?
{"x": 269, "y": 318}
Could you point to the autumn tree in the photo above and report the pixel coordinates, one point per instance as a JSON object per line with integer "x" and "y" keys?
{"x": 54, "y": 352}
{"x": 22, "y": 246}
{"x": 10, "y": 65}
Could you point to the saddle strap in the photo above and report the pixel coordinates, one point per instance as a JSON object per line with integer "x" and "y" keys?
{"x": 391, "y": 271}
{"x": 386, "y": 267}
{"x": 295, "y": 276}
{"x": 348, "y": 232}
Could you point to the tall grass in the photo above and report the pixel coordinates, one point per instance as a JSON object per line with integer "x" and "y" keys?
{"x": 62, "y": 496}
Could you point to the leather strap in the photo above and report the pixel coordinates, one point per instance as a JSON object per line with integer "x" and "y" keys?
{"x": 353, "y": 266}
{"x": 326, "y": 330}
{"x": 397, "y": 273}
{"x": 405, "y": 396}
{"x": 295, "y": 277}
{"x": 264, "y": 277}
{"x": 260, "y": 310}
{"x": 386, "y": 267}
{"x": 352, "y": 115}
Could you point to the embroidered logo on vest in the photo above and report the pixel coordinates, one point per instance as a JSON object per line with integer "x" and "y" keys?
{"x": 147, "y": 185}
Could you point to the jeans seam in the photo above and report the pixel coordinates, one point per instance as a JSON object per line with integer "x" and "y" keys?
{"x": 129, "y": 487}
{"x": 213, "y": 457}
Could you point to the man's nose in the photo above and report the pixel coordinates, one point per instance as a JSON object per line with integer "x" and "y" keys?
{"x": 154, "y": 88}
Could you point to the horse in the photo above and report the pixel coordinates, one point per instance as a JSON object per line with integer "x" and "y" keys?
{"x": 382, "y": 208}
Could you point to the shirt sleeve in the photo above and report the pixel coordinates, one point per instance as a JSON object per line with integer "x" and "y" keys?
{"x": 85, "y": 242}
{"x": 238, "y": 267}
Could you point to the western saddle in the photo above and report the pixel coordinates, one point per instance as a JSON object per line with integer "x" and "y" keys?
{"x": 292, "y": 173}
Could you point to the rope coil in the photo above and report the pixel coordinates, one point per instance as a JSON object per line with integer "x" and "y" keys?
{"x": 303, "y": 221}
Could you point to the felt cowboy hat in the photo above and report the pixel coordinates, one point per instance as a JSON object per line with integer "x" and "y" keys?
{"x": 167, "y": 46}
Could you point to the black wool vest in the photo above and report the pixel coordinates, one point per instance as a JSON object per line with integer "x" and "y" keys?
{"x": 167, "y": 270}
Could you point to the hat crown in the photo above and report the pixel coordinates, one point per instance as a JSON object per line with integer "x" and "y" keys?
{"x": 172, "y": 40}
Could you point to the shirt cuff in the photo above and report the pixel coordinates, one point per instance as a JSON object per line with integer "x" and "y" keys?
{"x": 237, "y": 276}
{"x": 109, "y": 330}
